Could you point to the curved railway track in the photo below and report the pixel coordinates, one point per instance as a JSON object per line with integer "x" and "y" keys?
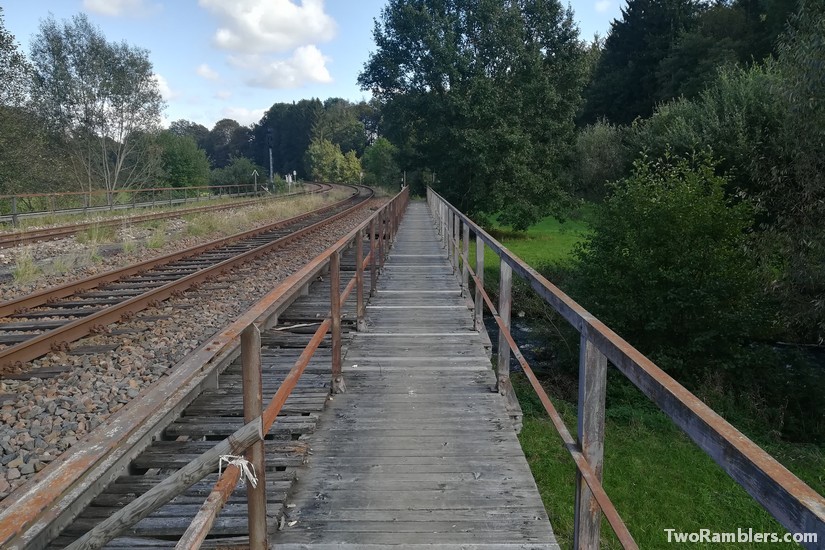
{"x": 50, "y": 320}
{"x": 17, "y": 238}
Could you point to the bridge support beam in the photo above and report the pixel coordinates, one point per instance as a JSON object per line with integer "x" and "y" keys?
{"x": 592, "y": 386}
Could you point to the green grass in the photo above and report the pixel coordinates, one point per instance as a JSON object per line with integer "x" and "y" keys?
{"x": 655, "y": 476}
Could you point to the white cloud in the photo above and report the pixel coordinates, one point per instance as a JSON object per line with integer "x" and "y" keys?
{"x": 269, "y": 26}
{"x": 163, "y": 87}
{"x": 207, "y": 72}
{"x": 306, "y": 65}
{"x": 116, "y": 8}
{"x": 223, "y": 94}
{"x": 603, "y": 5}
{"x": 244, "y": 116}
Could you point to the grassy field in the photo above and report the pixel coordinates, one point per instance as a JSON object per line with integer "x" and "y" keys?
{"x": 654, "y": 474}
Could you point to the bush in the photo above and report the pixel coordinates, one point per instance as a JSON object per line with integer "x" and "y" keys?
{"x": 600, "y": 157}
{"x": 666, "y": 266}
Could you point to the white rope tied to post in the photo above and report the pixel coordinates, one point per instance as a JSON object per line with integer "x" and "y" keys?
{"x": 247, "y": 468}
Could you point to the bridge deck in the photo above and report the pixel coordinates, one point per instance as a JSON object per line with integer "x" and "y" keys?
{"x": 419, "y": 452}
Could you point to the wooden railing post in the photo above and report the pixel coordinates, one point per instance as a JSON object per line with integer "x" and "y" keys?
{"x": 456, "y": 244}
{"x": 592, "y": 386}
{"x": 14, "y": 220}
{"x": 360, "y": 325}
{"x": 505, "y": 285}
{"x": 478, "y": 314}
{"x": 444, "y": 237}
{"x": 338, "y": 385}
{"x": 465, "y": 270}
{"x": 252, "y": 409}
{"x": 373, "y": 252}
{"x": 381, "y": 233}
{"x": 503, "y": 384}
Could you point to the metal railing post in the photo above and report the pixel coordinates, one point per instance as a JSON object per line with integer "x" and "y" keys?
{"x": 360, "y": 324}
{"x": 478, "y": 314}
{"x": 465, "y": 270}
{"x": 252, "y": 409}
{"x": 338, "y": 385}
{"x": 592, "y": 387}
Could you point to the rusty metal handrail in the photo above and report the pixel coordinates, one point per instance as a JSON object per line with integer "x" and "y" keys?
{"x": 387, "y": 219}
{"x": 787, "y": 498}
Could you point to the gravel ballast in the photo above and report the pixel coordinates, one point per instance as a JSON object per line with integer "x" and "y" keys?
{"x": 42, "y": 418}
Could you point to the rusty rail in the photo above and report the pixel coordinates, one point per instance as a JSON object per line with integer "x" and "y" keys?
{"x": 385, "y": 221}
{"x": 41, "y": 344}
{"x": 794, "y": 504}
{"x": 16, "y": 206}
{"x": 18, "y": 238}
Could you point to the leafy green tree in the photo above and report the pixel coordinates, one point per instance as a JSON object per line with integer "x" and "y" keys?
{"x": 227, "y": 140}
{"x": 237, "y": 172}
{"x": 626, "y": 84}
{"x": 482, "y": 93}
{"x": 667, "y": 267}
{"x": 339, "y": 124}
{"x": 197, "y": 132}
{"x": 380, "y": 166}
{"x": 291, "y": 127}
{"x": 351, "y": 168}
{"x": 796, "y": 190}
{"x": 27, "y": 162}
{"x": 600, "y": 157}
{"x": 324, "y": 161}
{"x": 183, "y": 164}
{"x": 99, "y": 97}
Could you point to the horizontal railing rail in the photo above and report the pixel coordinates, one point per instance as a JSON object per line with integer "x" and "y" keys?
{"x": 15, "y": 206}
{"x": 794, "y": 504}
{"x": 382, "y": 227}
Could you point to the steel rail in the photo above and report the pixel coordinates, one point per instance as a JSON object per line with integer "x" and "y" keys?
{"x": 35, "y": 513}
{"x": 74, "y": 330}
{"x": 24, "y": 303}
{"x": 17, "y": 238}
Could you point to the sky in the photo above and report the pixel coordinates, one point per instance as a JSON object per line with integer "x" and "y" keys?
{"x": 219, "y": 59}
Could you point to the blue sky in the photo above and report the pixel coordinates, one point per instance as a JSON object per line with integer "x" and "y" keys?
{"x": 235, "y": 58}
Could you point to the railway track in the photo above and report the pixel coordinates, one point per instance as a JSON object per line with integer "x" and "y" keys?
{"x": 199, "y": 404}
{"x": 50, "y": 320}
{"x": 18, "y": 238}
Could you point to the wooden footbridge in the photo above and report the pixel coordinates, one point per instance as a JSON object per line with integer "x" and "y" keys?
{"x": 409, "y": 441}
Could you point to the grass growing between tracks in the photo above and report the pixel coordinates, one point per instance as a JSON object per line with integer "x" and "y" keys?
{"x": 655, "y": 476}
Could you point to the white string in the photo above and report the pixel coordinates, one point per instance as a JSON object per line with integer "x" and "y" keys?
{"x": 247, "y": 468}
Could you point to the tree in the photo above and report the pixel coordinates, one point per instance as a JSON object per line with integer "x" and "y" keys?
{"x": 339, "y": 123}
{"x": 324, "y": 161}
{"x": 237, "y": 172}
{"x": 379, "y": 164}
{"x": 482, "y": 93}
{"x": 351, "y": 168}
{"x": 98, "y": 97}
{"x": 796, "y": 190}
{"x": 27, "y": 163}
{"x": 667, "y": 267}
{"x": 226, "y": 140}
{"x": 182, "y": 162}
{"x": 626, "y": 83}
{"x": 198, "y": 132}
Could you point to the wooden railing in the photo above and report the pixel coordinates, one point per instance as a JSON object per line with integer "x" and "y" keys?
{"x": 794, "y": 504}
{"x": 381, "y": 228}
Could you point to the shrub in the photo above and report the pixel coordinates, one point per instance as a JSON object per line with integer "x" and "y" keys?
{"x": 667, "y": 267}
{"x": 600, "y": 157}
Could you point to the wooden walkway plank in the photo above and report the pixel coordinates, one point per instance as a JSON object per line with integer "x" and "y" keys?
{"x": 419, "y": 452}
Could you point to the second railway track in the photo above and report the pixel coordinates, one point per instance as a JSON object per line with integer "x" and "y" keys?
{"x": 50, "y": 320}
